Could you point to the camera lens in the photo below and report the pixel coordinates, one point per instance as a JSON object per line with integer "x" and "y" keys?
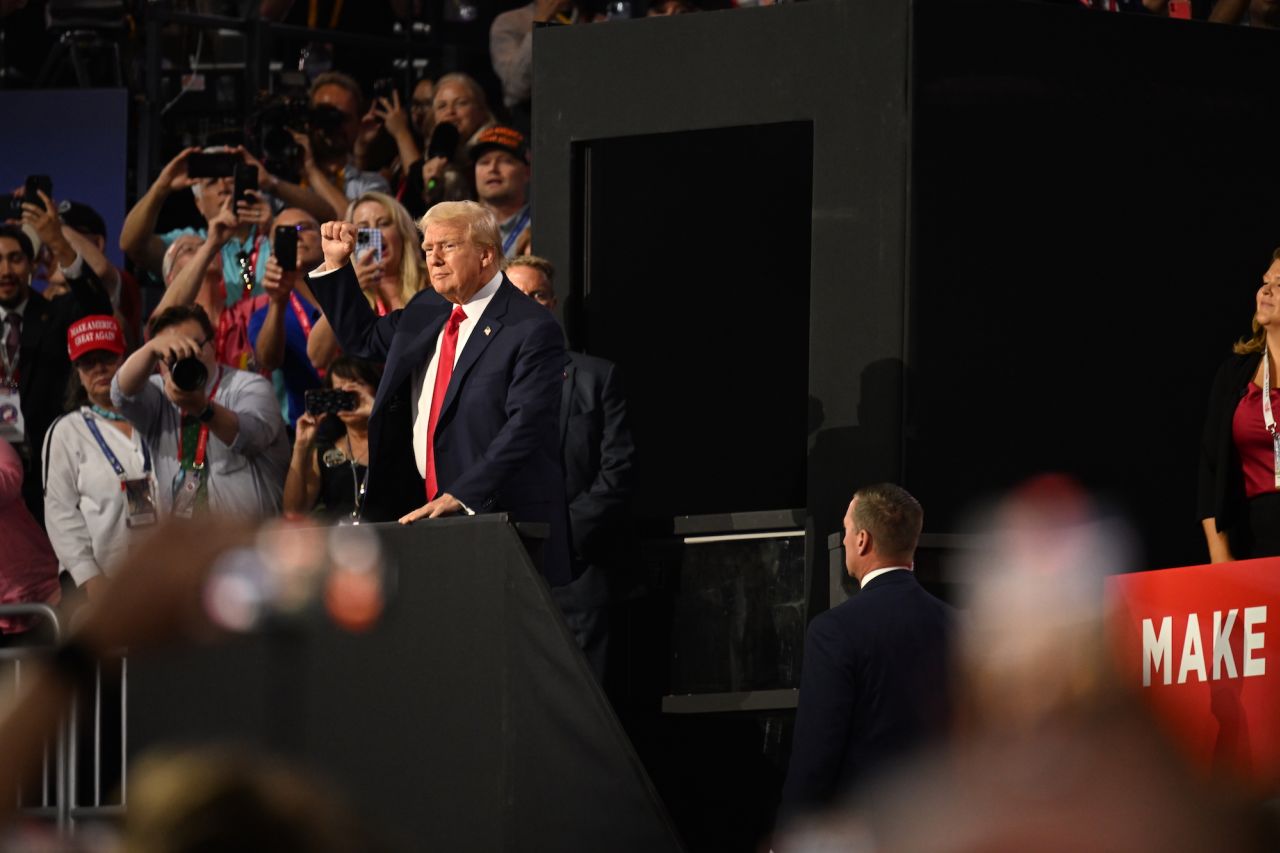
{"x": 189, "y": 373}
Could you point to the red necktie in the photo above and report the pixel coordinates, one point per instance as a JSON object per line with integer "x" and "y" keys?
{"x": 444, "y": 371}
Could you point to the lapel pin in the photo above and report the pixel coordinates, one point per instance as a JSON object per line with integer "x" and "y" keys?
{"x": 488, "y": 329}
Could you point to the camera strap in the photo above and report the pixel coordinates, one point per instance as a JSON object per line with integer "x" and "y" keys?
{"x": 202, "y": 441}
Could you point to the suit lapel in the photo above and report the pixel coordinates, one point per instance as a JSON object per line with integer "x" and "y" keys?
{"x": 566, "y": 395}
{"x": 416, "y": 352}
{"x": 35, "y": 320}
{"x": 486, "y": 329}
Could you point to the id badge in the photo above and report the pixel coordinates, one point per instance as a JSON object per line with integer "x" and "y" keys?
{"x": 141, "y": 496}
{"x": 185, "y": 487}
{"x": 12, "y": 428}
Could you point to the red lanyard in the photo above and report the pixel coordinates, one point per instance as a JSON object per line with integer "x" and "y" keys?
{"x": 202, "y": 443}
{"x": 382, "y": 306}
{"x": 303, "y": 320}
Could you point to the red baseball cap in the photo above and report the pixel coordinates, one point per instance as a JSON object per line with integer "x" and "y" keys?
{"x": 95, "y": 332}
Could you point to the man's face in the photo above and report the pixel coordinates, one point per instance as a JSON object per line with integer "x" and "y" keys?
{"x": 346, "y": 103}
{"x": 501, "y": 178}
{"x": 458, "y": 267}
{"x": 422, "y": 107}
{"x": 534, "y": 284}
{"x": 310, "y": 253}
{"x": 213, "y": 193}
{"x": 15, "y": 273}
{"x": 456, "y": 104}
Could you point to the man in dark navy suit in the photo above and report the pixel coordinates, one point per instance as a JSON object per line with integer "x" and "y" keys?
{"x": 875, "y": 679}
{"x": 598, "y": 452}
{"x": 465, "y": 419}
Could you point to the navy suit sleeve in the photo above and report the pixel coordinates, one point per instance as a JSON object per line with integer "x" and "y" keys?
{"x": 358, "y": 328}
{"x": 605, "y": 499}
{"x": 532, "y": 408}
{"x": 828, "y": 690}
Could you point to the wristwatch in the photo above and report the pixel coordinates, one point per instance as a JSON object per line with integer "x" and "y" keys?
{"x": 207, "y": 415}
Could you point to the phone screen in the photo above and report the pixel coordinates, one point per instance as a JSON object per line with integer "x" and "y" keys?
{"x": 246, "y": 179}
{"x": 34, "y": 186}
{"x": 285, "y": 247}
{"x": 369, "y": 239}
{"x": 211, "y": 164}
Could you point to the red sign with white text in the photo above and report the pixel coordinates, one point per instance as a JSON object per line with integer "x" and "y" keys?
{"x": 1199, "y": 644}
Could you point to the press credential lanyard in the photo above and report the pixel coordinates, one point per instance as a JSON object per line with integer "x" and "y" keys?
{"x": 516, "y": 230}
{"x": 1267, "y": 417}
{"x": 202, "y": 442}
{"x": 111, "y": 457}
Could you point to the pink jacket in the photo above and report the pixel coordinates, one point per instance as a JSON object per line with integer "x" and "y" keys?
{"x": 28, "y": 568}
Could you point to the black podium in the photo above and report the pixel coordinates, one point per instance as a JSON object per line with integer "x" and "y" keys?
{"x": 466, "y": 719}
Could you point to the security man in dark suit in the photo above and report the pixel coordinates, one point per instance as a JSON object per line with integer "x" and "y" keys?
{"x": 34, "y": 366}
{"x": 875, "y": 680}
{"x": 598, "y": 454}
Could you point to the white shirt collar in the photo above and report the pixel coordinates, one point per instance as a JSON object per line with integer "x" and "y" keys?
{"x": 480, "y": 300}
{"x": 870, "y": 576}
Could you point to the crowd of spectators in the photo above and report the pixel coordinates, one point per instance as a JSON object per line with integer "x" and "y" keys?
{"x": 218, "y": 385}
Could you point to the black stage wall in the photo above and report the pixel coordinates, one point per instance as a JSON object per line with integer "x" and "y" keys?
{"x": 1033, "y": 233}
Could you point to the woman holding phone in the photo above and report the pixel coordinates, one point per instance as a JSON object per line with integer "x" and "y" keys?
{"x": 331, "y": 452}
{"x": 1239, "y": 494}
{"x": 388, "y": 264}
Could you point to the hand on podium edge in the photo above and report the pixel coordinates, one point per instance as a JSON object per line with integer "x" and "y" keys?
{"x": 445, "y": 504}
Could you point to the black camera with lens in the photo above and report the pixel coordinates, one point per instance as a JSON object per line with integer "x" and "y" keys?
{"x": 189, "y": 373}
{"x": 274, "y": 124}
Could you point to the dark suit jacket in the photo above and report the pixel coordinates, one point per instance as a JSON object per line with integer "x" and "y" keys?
{"x": 874, "y": 686}
{"x": 1221, "y": 493}
{"x": 496, "y": 443}
{"x": 44, "y": 367}
{"x": 598, "y": 454}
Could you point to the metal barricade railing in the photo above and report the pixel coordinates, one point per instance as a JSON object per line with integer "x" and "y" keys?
{"x": 61, "y": 780}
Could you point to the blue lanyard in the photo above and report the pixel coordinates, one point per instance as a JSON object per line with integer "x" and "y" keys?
{"x": 111, "y": 457}
{"x": 516, "y": 231}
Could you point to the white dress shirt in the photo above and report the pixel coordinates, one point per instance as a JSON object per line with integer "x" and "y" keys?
{"x": 424, "y": 378}
{"x": 870, "y": 576}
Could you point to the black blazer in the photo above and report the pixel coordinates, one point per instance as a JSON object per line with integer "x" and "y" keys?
{"x": 497, "y": 442}
{"x": 598, "y": 455}
{"x": 1221, "y": 490}
{"x": 44, "y": 368}
{"x": 875, "y": 685}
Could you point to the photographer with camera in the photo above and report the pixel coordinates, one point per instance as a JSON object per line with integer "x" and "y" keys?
{"x": 329, "y": 142}
{"x": 33, "y": 355}
{"x": 445, "y": 173}
{"x": 280, "y": 331}
{"x": 245, "y": 250}
{"x": 194, "y": 278}
{"x": 330, "y": 464}
{"x": 215, "y": 432}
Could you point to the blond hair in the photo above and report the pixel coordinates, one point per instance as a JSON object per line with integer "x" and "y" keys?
{"x": 413, "y": 271}
{"x": 1257, "y": 342}
{"x": 480, "y": 223}
{"x": 542, "y": 265}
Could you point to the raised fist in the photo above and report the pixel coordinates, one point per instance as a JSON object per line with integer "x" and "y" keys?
{"x": 338, "y": 241}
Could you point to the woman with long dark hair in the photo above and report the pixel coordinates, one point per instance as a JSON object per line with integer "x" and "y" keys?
{"x": 330, "y": 464}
